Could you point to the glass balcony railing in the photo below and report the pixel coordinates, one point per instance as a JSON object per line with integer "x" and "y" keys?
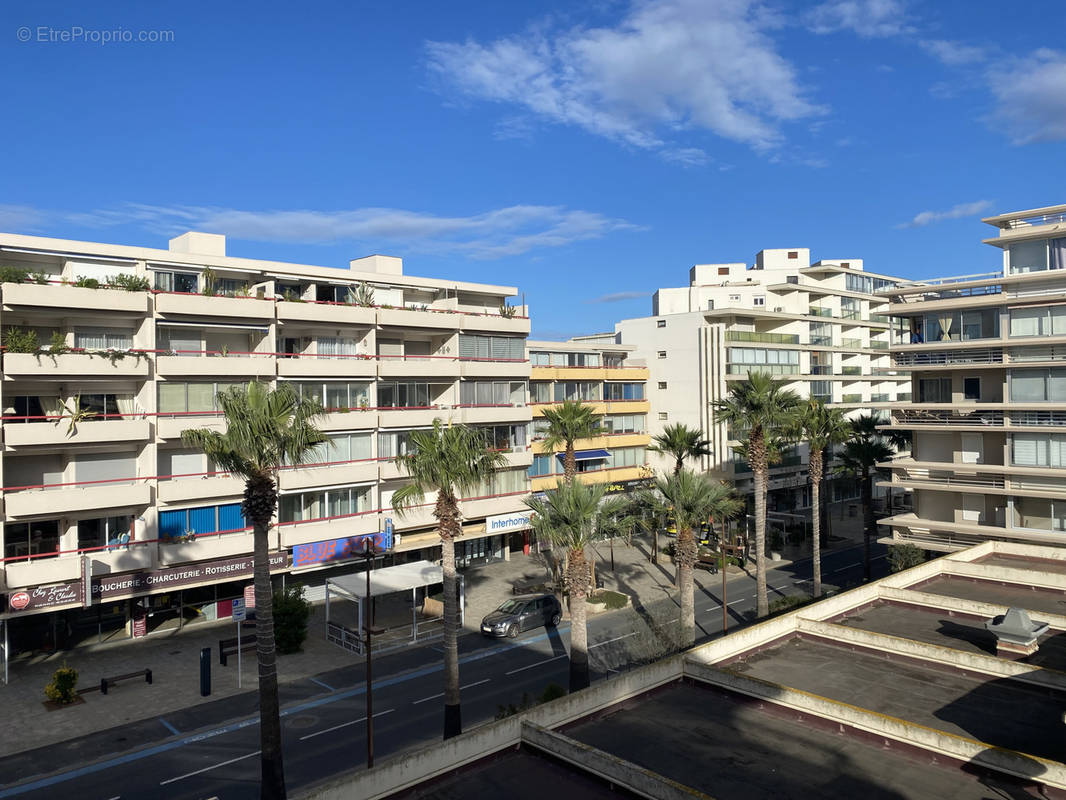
{"x": 879, "y": 398}
{"x": 820, "y": 312}
{"x": 822, "y": 341}
{"x": 853, "y": 344}
{"x": 851, "y": 370}
{"x": 769, "y": 338}
{"x": 773, "y": 369}
{"x": 878, "y": 345}
{"x": 821, "y": 369}
{"x": 851, "y": 398}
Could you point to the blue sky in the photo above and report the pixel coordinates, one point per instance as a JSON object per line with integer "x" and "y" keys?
{"x": 587, "y": 153}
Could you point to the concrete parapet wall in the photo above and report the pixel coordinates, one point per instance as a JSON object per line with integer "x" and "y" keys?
{"x": 408, "y": 769}
{"x": 959, "y": 748}
{"x": 990, "y": 572}
{"x": 961, "y": 606}
{"x": 948, "y": 656}
{"x": 613, "y": 769}
{"x": 1028, "y": 550}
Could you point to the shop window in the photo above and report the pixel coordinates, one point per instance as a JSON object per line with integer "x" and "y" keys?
{"x": 31, "y": 539}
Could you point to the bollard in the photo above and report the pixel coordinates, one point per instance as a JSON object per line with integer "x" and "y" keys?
{"x": 205, "y": 672}
{"x": 148, "y": 676}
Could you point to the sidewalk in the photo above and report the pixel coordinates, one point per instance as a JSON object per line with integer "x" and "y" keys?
{"x": 173, "y": 657}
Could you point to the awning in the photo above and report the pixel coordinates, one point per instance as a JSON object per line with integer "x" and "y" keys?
{"x": 387, "y": 579}
{"x": 229, "y": 326}
{"x": 586, "y": 455}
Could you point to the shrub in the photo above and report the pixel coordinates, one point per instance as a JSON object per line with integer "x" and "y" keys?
{"x": 131, "y": 283}
{"x": 552, "y": 691}
{"x": 13, "y": 275}
{"x": 613, "y": 600}
{"x": 904, "y": 556}
{"x": 363, "y": 295}
{"x": 63, "y": 687}
{"x": 20, "y": 341}
{"x": 788, "y": 602}
{"x": 40, "y": 277}
{"x": 87, "y": 283}
{"x": 508, "y": 311}
{"x": 57, "y": 345}
{"x": 291, "y": 613}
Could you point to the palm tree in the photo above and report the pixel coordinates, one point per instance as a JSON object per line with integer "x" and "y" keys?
{"x": 566, "y": 424}
{"x": 264, "y": 429}
{"x": 821, "y": 427}
{"x": 681, "y": 442}
{"x": 761, "y": 410}
{"x": 451, "y": 460}
{"x": 572, "y": 516}
{"x": 860, "y": 457}
{"x": 690, "y": 499}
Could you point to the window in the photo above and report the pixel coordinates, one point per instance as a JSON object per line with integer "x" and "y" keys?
{"x": 504, "y": 438}
{"x": 495, "y": 393}
{"x": 776, "y": 362}
{"x": 623, "y": 391}
{"x": 1040, "y": 514}
{"x": 584, "y": 391}
{"x": 338, "y": 447}
{"x": 321, "y": 504}
{"x": 31, "y": 408}
{"x": 542, "y": 465}
{"x": 625, "y": 457}
{"x": 494, "y": 348}
{"x": 394, "y": 443}
{"x": 207, "y": 519}
{"x": 663, "y": 416}
{"x": 734, "y": 298}
{"x": 39, "y": 538}
{"x": 539, "y": 391}
{"x": 661, "y": 354}
{"x": 1038, "y": 450}
{"x": 858, "y": 283}
{"x": 185, "y": 282}
{"x": 662, "y": 384}
{"x": 504, "y": 481}
{"x": 336, "y": 395}
{"x": 102, "y": 339}
{"x": 660, "y": 323}
{"x": 334, "y": 346}
{"x": 177, "y": 398}
{"x": 1028, "y": 257}
{"x": 103, "y": 531}
{"x": 1040, "y": 321}
{"x": 723, "y": 270}
{"x": 403, "y": 395}
{"x": 624, "y": 423}
{"x": 793, "y": 254}
{"x": 1038, "y": 385}
{"x": 934, "y": 390}
{"x": 540, "y": 358}
{"x": 758, "y": 300}
{"x": 971, "y": 388}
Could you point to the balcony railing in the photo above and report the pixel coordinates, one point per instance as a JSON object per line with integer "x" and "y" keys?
{"x": 821, "y": 369}
{"x": 948, "y": 357}
{"x": 773, "y": 369}
{"x": 951, "y": 479}
{"x": 851, "y": 344}
{"x": 851, "y": 398}
{"x": 877, "y": 344}
{"x": 1038, "y": 418}
{"x": 947, "y": 416}
{"x": 1036, "y": 219}
{"x": 815, "y": 311}
{"x": 822, "y": 341}
{"x": 878, "y": 398}
{"x": 851, "y": 371}
{"x": 769, "y": 338}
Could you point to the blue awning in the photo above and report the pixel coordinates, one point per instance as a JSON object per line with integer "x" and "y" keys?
{"x": 586, "y": 455}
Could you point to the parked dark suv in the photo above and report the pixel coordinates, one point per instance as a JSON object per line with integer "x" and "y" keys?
{"x": 521, "y": 614}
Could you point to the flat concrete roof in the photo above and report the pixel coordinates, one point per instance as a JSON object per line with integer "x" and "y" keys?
{"x": 984, "y": 591}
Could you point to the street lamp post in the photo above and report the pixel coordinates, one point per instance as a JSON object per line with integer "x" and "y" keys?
{"x": 368, "y": 631}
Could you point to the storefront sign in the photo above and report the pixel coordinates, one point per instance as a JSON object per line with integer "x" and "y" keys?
{"x": 619, "y": 487}
{"x": 306, "y": 555}
{"x": 501, "y": 523}
{"x": 125, "y": 584}
{"x": 249, "y": 596}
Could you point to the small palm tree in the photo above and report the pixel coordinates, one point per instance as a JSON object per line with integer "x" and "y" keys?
{"x": 450, "y": 460}
{"x": 762, "y": 411}
{"x": 681, "y": 442}
{"x": 264, "y": 429}
{"x": 691, "y": 500}
{"x": 568, "y": 423}
{"x": 572, "y": 516}
{"x": 821, "y": 427}
{"x": 859, "y": 458}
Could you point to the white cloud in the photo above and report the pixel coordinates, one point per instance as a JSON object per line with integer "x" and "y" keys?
{"x": 1030, "y": 95}
{"x": 618, "y": 297}
{"x": 501, "y": 232}
{"x": 685, "y": 156}
{"x": 867, "y": 18}
{"x": 955, "y": 212}
{"x": 667, "y": 66}
{"x": 953, "y": 54}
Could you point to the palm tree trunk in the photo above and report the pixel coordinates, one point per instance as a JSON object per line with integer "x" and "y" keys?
{"x": 867, "y": 520}
{"x": 686, "y": 551}
{"x": 679, "y": 464}
{"x": 579, "y": 640}
{"x": 762, "y": 605}
{"x": 447, "y": 513}
{"x": 816, "y": 520}
{"x": 260, "y": 496}
{"x": 569, "y": 463}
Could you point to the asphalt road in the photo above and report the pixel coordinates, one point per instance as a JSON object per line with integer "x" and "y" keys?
{"x": 211, "y": 750}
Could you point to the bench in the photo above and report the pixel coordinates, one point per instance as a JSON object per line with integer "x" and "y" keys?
{"x": 228, "y": 647}
{"x": 105, "y": 683}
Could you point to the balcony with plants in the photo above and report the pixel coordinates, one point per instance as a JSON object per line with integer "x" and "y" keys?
{"x": 124, "y": 292}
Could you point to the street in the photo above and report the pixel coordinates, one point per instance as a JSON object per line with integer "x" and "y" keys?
{"x": 211, "y": 750}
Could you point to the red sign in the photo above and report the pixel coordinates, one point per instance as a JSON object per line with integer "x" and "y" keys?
{"x": 140, "y": 625}
{"x": 249, "y": 596}
{"x": 19, "y": 600}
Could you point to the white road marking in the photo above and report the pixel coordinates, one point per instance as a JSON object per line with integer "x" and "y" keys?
{"x": 208, "y": 769}
{"x": 539, "y": 663}
{"x": 615, "y": 639}
{"x": 441, "y": 694}
{"x": 849, "y": 566}
{"x": 345, "y": 725}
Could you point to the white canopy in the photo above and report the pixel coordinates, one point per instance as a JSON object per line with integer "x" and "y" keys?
{"x": 387, "y": 580}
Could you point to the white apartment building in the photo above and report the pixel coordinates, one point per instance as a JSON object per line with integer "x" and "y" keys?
{"x": 111, "y": 528}
{"x": 988, "y": 408}
{"x": 819, "y": 327}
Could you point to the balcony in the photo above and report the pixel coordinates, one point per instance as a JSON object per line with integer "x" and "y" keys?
{"x": 415, "y": 417}
{"x": 242, "y": 365}
{"x": 294, "y": 533}
{"x": 493, "y": 323}
{"x": 326, "y": 313}
{"x": 488, "y": 506}
{"x": 768, "y": 338}
{"x": 475, "y": 368}
{"x": 851, "y": 398}
{"x": 200, "y": 487}
{"x": 58, "y": 432}
{"x": 920, "y": 417}
{"x": 311, "y": 366}
{"x": 851, "y": 371}
{"x": 42, "y": 571}
{"x": 68, "y": 499}
{"x": 815, "y": 311}
{"x": 418, "y": 318}
{"x": 200, "y": 305}
{"x": 356, "y": 419}
{"x": 1038, "y": 419}
{"x": 946, "y": 357}
{"x": 69, "y": 298}
{"x": 205, "y": 546}
{"x": 488, "y": 414}
{"x": 76, "y": 365}
{"x": 328, "y": 475}
{"x": 851, "y": 344}
{"x": 418, "y": 367}
{"x": 170, "y": 427}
